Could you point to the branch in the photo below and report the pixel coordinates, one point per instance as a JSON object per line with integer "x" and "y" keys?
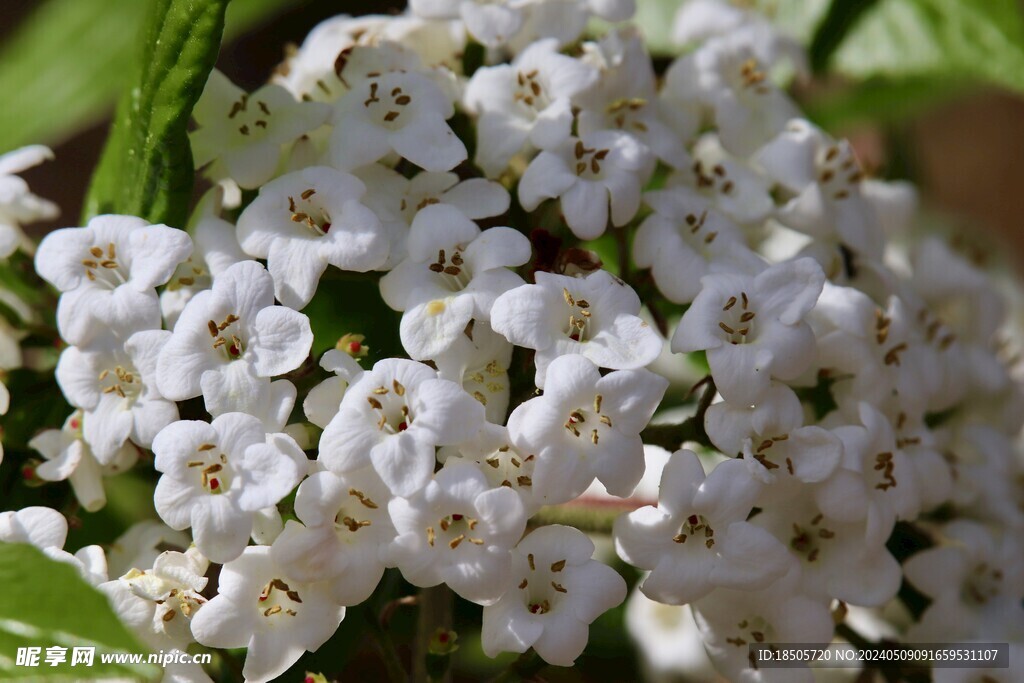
{"x": 392, "y": 662}
{"x": 672, "y": 437}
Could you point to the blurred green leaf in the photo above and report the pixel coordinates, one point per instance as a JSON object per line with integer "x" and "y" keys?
{"x": 841, "y": 16}
{"x": 64, "y": 67}
{"x": 351, "y": 304}
{"x": 942, "y": 39}
{"x": 881, "y": 100}
{"x": 47, "y": 604}
{"x": 146, "y": 169}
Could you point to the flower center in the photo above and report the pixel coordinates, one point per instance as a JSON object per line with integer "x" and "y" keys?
{"x": 452, "y": 530}
{"x": 214, "y": 472}
{"x": 391, "y": 407}
{"x": 453, "y": 270}
{"x": 712, "y": 181}
{"x": 310, "y": 213}
{"x": 699, "y": 238}
{"x": 508, "y": 465}
{"x": 752, "y": 629}
{"x": 838, "y": 171}
{"x": 530, "y": 92}
{"x": 762, "y": 456}
{"x": 884, "y": 467}
{"x": 983, "y": 584}
{"x": 120, "y": 381}
{"x": 588, "y": 160}
{"x": 579, "y": 320}
{"x": 542, "y": 590}
{"x": 805, "y": 540}
{"x": 224, "y": 337}
{"x": 578, "y": 425}
{"x": 250, "y": 122}
{"x": 752, "y": 77}
{"x": 737, "y": 321}
{"x": 693, "y": 526}
{"x": 387, "y": 106}
{"x": 277, "y": 597}
{"x": 627, "y": 112}
{"x": 103, "y": 267}
{"x": 346, "y": 517}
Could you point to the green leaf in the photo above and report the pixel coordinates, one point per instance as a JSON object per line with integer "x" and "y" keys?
{"x": 47, "y": 604}
{"x": 840, "y": 18}
{"x": 881, "y": 100}
{"x": 347, "y": 303}
{"x": 943, "y": 39}
{"x": 146, "y": 169}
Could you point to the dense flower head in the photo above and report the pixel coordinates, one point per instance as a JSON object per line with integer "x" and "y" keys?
{"x": 458, "y": 303}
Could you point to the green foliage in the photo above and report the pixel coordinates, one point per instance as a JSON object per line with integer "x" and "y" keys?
{"x": 941, "y": 39}
{"x": 347, "y": 303}
{"x": 46, "y": 604}
{"x": 146, "y": 169}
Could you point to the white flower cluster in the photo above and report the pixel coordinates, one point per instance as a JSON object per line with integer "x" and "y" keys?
{"x": 860, "y": 385}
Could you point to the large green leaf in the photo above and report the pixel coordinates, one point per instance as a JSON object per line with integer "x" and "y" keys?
{"x": 146, "y": 169}
{"x": 47, "y": 604}
{"x": 942, "y": 39}
{"x": 64, "y": 67}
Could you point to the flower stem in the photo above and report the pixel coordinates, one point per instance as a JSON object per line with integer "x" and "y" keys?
{"x": 392, "y": 662}
{"x": 672, "y": 437}
{"x": 436, "y": 606}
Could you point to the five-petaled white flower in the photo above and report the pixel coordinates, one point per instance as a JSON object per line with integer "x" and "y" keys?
{"x": 107, "y": 272}
{"x": 596, "y": 316}
{"x": 555, "y": 592}
{"x": 230, "y": 340}
{"x": 393, "y": 417}
{"x": 260, "y": 607}
{"x": 216, "y": 476}
{"x": 304, "y": 221}
{"x": 452, "y": 275}
{"x": 752, "y": 327}
{"x": 245, "y": 132}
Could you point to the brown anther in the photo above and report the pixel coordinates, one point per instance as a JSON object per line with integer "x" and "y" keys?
{"x": 529, "y": 560}
{"x": 726, "y": 328}
{"x": 558, "y": 587}
{"x": 454, "y": 543}
{"x": 374, "y": 403}
{"x": 748, "y": 316}
{"x": 729, "y": 304}
{"x": 391, "y": 116}
{"x": 679, "y": 538}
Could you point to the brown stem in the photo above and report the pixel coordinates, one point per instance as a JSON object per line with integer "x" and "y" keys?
{"x": 436, "y": 606}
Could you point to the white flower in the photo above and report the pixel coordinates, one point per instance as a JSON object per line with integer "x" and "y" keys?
{"x": 47, "y": 530}
{"x": 492, "y": 23}
{"x": 480, "y": 360}
{"x": 593, "y": 175}
{"x": 18, "y": 205}
{"x": 697, "y": 538}
{"x": 452, "y": 275}
{"x": 142, "y": 543}
{"x": 245, "y": 132}
{"x": 229, "y": 339}
{"x": 501, "y": 461}
{"x": 685, "y": 239}
{"x": 823, "y": 179}
{"x": 114, "y": 382}
{"x": 873, "y": 349}
{"x": 400, "y": 111}
{"x": 394, "y": 417}
{"x": 727, "y": 76}
{"x": 752, "y": 327}
{"x": 731, "y": 620}
{"x": 847, "y": 560}
{"x": 158, "y": 602}
{"x": 773, "y": 441}
{"x": 322, "y": 402}
{"x": 217, "y": 476}
{"x": 259, "y": 607}
{"x": 625, "y": 98}
{"x": 555, "y": 592}
{"x": 725, "y": 182}
{"x": 596, "y": 316}
{"x": 586, "y": 426}
{"x": 345, "y": 525}
{"x": 699, "y": 20}
{"x": 457, "y": 530}
{"x": 69, "y": 457}
{"x": 527, "y": 102}
{"x": 107, "y": 272}
{"x": 304, "y": 221}
{"x": 974, "y": 578}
